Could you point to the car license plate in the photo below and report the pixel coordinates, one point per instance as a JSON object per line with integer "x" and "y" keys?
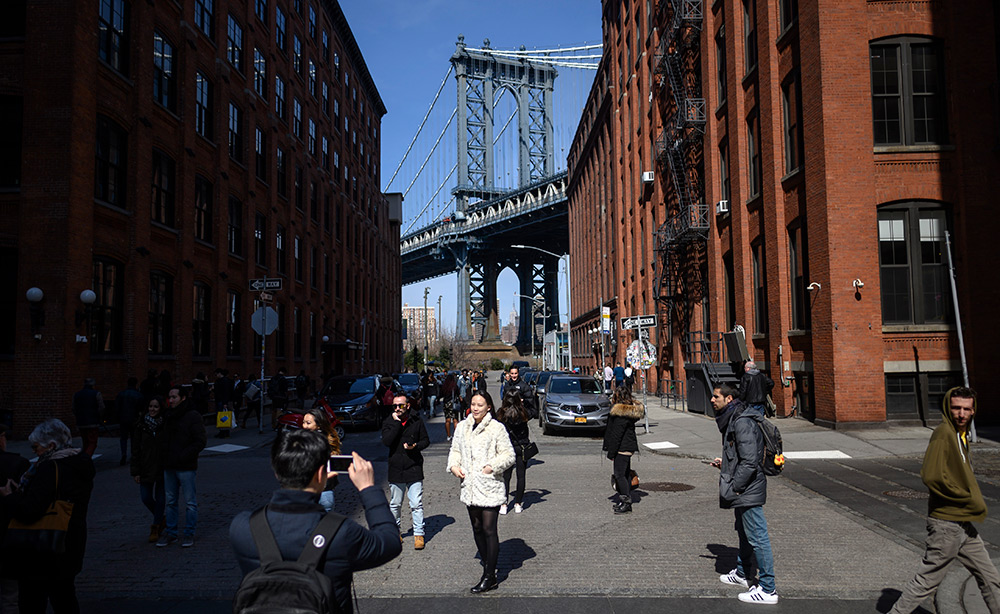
{"x": 581, "y": 419}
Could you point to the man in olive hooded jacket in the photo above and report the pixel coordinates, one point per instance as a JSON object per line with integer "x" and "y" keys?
{"x": 955, "y": 503}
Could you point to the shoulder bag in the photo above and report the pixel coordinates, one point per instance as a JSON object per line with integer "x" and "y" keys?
{"x": 47, "y": 535}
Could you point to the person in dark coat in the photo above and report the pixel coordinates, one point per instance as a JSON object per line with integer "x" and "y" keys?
{"x": 148, "y": 443}
{"x": 298, "y": 460}
{"x": 277, "y": 389}
{"x": 64, "y": 473}
{"x": 12, "y": 467}
{"x": 620, "y": 443}
{"x": 517, "y": 384}
{"x": 743, "y": 488}
{"x": 754, "y": 387}
{"x": 128, "y": 403}
{"x": 147, "y": 388}
{"x": 164, "y": 384}
{"x": 222, "y": 390}
{"x": 184, "y": 439}
{"x": 514, "y": 416}
{"x": 404, "y": 433}
{"x": 88, "y": 406}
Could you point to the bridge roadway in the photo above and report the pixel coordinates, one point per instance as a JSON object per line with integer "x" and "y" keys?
{"x": 532, "y": 215}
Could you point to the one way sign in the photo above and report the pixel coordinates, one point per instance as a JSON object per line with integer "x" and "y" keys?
{"x": 638, "y": 322}
{"x": 259, "y": 285}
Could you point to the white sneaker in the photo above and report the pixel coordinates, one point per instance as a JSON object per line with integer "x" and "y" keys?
{"x": 503, "y": 509}
{"x": 517, "y": 508}
{"x": 734, "y": 579}
{"x": 758, "y": 595}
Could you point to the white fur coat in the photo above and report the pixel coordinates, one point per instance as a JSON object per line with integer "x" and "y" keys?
{"x": 472, "y": 450}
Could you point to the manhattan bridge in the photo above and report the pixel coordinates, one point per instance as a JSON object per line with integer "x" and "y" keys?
{"x": 489, "y": 173}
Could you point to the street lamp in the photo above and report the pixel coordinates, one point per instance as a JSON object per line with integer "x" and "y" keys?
{"x": 427, "y": 291}
{"x": 569, "y": 295}
{"x": 544, "y": 316}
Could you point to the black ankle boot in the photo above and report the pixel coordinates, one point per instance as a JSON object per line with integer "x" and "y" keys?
{"x": 624, "y": 505}
{"x": 487, "y": 583}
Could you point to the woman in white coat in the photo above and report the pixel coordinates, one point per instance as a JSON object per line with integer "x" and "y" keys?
{"x": 480, "y": 453}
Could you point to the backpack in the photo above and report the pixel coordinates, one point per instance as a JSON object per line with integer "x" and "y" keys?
{"x": 279, "y": 586}
{"x": 774, "y": 459}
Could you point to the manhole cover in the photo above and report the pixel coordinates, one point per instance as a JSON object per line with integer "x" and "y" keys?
{"x": 905, "y": 493}
{"x": 665, "y": 486}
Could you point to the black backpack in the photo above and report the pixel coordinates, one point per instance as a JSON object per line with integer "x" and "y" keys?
{"x": 774, "y": 459}
{"x": 290, "y": 587}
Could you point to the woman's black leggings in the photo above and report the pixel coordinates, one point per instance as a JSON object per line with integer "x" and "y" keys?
{"x": 521, "y": 466}
{"x": 484, "y": 530}
{"x": 623, "y": 463}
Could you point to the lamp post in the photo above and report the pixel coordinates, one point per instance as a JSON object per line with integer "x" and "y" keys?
{"x": 427, "y": 291}
{"x": 569, "y": 299}
{"x": 437, "y": 321}
{"x": 544, "y": 315}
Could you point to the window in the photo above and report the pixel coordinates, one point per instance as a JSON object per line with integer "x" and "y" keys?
{"x": 336, "y": 167}
{"x": 279, "y": 97}
{"x": 908, "y": 102}
{"x": 11, "y": 139}
{"x": 312, "y": 22}
{"x": 754, "y": 170}
{"x": 296, "y": 118}
{"x": 279, "y": 28}
{"x": 203, "y": 106}
{"x": 260, "y": 158}
{"x": 110, "y": 163}
{"x": 313, "y": 274}
{"x": 235, "y": 133}
{"x": 233, "y": 318}
{"x": 163, "y": 188}
{"x": 235, "y": 230}
{"x": 203, "y": 17}
{"x": 297, "y": 257}
{"x": 788, "y": 12}
{"x": 724, "y": 169}
{"x": 759, "y": 289}
{"x": 336, "y": 113}
{"x": 260, "y": 239}
{"x": 799, "y": 270}
{"x": 202, "y": 209}
{"x": 107, "y": 312}
{"x": 282, "y": 172}
{"x": 749, "y": 35}
{"x": 279, "y": 250}
{"x": 326, "y": 46}
{"x": 312, "y": 137}
{"x": 312, "y": 335}
{"x": 915, "y": 284}
{"x": 296, "y": 54}
{"x": 259, "y": 73}
{"x": 260, "y": 8}
{"x": 327, "y": 213}
{"x": 201, "y": 321}
{"x": 313, "y": 201}
{"x": 911, "y": 396}
{"x": 164, "y": 77}
{"x": 234, "y": 47}
{"x": 298, "y": 188}
{"x": 720, "y": 61}
{"x": 312, "y": 78}
{"x": 327, "y": 273}
{"x": 729, "y": 289}
{"x": 279, "y": 332}
{"x": 297, "y": 332}
{"x": 326, "y": 99}
{"x": 161, "y": 313}
{"x": 791, "y": 111}
{"x": 326, "y": 154}
{"x": 113, "y": 27}
{"x": 336, "y": 66}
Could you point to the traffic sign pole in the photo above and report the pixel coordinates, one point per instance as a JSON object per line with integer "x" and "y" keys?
{"x": 263, "y": 386}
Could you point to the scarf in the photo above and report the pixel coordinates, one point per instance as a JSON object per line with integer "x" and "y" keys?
{"x": 153, "y": 424}
{"x": 51, "y": 455}
{"x": 727, "y": 414}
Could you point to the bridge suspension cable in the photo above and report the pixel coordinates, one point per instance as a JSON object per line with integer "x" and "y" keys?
{"x": 431, "y": 199}
{"x": 530, "y": 51}
{"x": 431, "y": 152}
{"x": 421, "y": 127}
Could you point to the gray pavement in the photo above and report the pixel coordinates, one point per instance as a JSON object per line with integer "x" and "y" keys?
{"x": 841, "y": 544}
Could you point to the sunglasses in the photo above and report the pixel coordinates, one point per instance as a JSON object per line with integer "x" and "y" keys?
{"x": 400, "y": 405}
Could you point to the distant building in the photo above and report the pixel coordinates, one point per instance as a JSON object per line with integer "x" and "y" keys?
{"x": 508, "y": 333}
{"x": 416, "y": 325}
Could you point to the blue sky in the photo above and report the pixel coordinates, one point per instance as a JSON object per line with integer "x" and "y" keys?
{"x": 407, "y": 44}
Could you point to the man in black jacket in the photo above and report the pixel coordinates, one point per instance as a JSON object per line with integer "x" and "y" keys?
{"x": 404, "y": 433}
{"x": 754, "y": 387}
{"x": 184, "y": 434}
{"x": 515, "y": 383}
{"x": 298, "y": 459}
{"x": 743, "y": 488}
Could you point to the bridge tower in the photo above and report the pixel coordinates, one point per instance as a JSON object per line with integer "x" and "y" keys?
{"x": 480, "y": 77}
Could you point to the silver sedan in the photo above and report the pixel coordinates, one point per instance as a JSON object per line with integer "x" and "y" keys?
{"x": 572, "y": 401}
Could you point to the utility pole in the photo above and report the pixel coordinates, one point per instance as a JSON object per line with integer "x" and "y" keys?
{"x": 427, "y": 291}
{"x": 438, "y": 319}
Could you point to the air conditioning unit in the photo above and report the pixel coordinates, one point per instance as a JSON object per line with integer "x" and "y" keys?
{"x": 647, "y": 176}
{"x": 722, "y": 207}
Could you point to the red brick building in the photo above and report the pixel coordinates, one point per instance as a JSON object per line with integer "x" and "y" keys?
{"x": 161, "y": 155}
{"x": 809, "y": 158}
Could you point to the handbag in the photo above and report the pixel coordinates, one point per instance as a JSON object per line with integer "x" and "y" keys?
{"x": 47, "y": 535}
{"x": 529, "y": 450}
{"x": 224, "y": 419}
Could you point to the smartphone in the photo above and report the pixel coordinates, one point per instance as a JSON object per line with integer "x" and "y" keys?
{"x": 339, "y": 463}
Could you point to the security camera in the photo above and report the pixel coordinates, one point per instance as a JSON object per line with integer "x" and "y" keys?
{"x": 858, "y": 284}
{"x": 813, "y": 286}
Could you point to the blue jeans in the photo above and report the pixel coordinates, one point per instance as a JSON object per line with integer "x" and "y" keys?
{"x": 326, "y": 500}
{"x": 415, "y": 495}
{"x": 152, "y": 495}
{"x": 174, "y": 481}
{"x": 755, "y": 545}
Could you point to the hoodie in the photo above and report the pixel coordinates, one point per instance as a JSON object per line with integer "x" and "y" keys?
{"x": 947, "y": 473}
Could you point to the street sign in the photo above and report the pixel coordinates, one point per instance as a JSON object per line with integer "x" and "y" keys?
{"x": 641, "y": 354}
{"x": 644, "y": 333}
{"x": 259, "y": 285}
{"x": 638, "y": 322}
{"x": 264, "y": 321}
{"x": 605, "y": 319}
{"x": 266, "y": 297}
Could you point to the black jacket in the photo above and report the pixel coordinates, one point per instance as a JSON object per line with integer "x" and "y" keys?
{"x": 12, "y": 467}
{"x": 754, "y": 387}
{"x": 184, "y": 438}
{"x": 148, "y": 448}
{"x": 129, "y": 404}
{"x": 405, "y": 465}
{"x": 620, "y": 434}
{"x": 522, "y": 388}
{"x": 518, "y": 429}
{"x": 87, "y": 407}
{"x": 75, "y": 483}
{"x": 223, "y": 390}
{"x": 294, "y": 514}
{"x": 742, "y": 482}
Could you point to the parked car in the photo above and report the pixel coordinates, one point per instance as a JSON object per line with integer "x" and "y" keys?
{"x": 520, "y": 364}
{"x": 540, "y": 384}
{"x": 573, "y": 401}
{"x": 353, "y": 399}
{"x": 409, "y": 383}
{"x": 293, "y": 419}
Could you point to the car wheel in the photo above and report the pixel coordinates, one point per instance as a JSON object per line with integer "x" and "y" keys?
{"x": 340, "y": 432}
